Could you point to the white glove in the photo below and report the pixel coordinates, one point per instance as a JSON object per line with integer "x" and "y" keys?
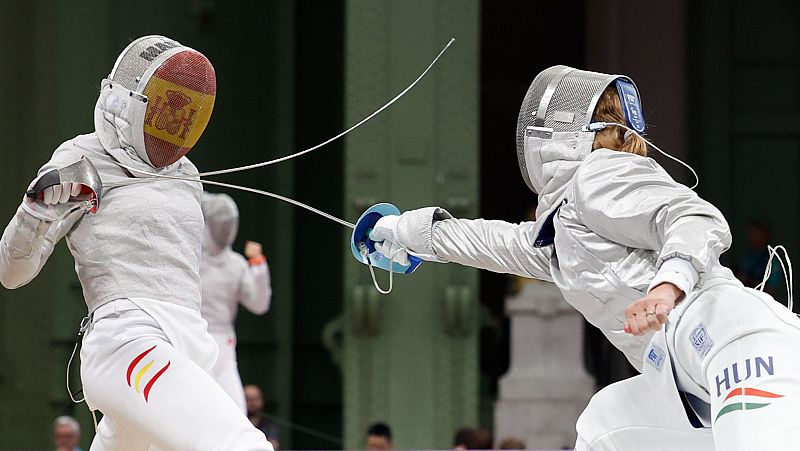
{"x": 385, "y": 236}
{"x": 60, "y": 194}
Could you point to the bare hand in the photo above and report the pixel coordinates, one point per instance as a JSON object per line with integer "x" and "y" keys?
{"x": 252, "y": 249}
{"x": 650, "y": 312}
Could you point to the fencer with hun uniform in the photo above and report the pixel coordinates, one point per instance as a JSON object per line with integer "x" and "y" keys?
{"x": 633, "y": 251}
{"x": 146, "y": 350}
{"x": 229, "y": 279}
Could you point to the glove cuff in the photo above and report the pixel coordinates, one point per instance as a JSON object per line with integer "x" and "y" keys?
{"x": 255, "y": 261}
{"x": 415, "y": 230}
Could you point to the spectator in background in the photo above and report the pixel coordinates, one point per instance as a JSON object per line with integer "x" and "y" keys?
{"x": 484, "y": 439}
{"x": 379, "y": 438}
{"x": 254, "y": 400}
{"x": 495, "y": 348}
{"x": 465, "y": 438}
{"x": 66, "y": 434}
{"x": 511, "y": 443}
{"x": 755, "y": 260}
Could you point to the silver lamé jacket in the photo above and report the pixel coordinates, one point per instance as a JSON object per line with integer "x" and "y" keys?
{"x": 143, "y": 242}
{"x": 610, "y": 225}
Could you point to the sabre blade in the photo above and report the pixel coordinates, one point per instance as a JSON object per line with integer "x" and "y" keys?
{"x": 358, "y": 124}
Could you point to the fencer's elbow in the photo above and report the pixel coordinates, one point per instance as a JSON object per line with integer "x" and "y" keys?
{"x": 263, "y": 308}
{"x": 13, "y": 273}
{"x": 10, "y": 282}
{"x": 723, "y": 236}
{"x": 727, "y": 240}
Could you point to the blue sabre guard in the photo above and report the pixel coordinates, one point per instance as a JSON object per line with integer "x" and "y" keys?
{"x": 361, "y": 241}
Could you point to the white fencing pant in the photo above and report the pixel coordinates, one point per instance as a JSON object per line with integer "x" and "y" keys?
{"x": 737, "y": 350}
{"x": 742, "y": 349}
{"x": 152, "y": 395}
{"x": 642, "y": 413}
{"x": 226, "y": 369}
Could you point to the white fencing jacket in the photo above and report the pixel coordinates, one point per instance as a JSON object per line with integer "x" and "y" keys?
{"x": 228, "y": 280}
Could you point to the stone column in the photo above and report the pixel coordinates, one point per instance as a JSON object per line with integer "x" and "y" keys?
{"x": 547, "y": 386}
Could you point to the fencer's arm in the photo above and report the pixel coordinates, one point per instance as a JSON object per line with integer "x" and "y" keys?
{"x": 255, "y": 293}
{"x": 29, "y": 240}
{"x": 496, "y": 246}
{"x": 632, "y": 201}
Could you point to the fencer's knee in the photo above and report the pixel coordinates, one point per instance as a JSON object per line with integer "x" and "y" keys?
{"x": 582, "y": 445}
{"x": 593, "y": 413}
{"x": 604, "y": 413}
{"x": 585, "y": 425}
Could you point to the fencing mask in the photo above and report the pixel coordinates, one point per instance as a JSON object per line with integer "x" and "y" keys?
{"x": 552, "y": 137}
{"x": 160, "y": 94}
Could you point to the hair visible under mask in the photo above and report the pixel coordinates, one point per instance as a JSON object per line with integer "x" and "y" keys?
{"x": 609, "y": 109}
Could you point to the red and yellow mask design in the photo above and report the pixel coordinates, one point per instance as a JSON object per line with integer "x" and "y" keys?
{"x": 180, "y": 98}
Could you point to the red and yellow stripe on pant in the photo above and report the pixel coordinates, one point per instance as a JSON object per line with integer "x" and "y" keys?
{"x": 143, "y": 372}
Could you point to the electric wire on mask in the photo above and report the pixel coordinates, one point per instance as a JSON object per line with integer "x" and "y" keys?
{"x": 597, "y": 126}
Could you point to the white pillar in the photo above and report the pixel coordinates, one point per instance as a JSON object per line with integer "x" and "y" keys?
{"x": 546, "y": 386}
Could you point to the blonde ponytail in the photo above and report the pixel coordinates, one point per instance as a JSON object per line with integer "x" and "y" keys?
{"x": 609, "y": 109}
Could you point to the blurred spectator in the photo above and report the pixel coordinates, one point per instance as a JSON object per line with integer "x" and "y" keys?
{"x": 511, "y": 443}
{"x": 255, "y": 412}
{"x": 465, "y": 438}
{"x": 379, "y": 437}
{"x": 484, "y": 439}
{"x": 755, "y": 260}
{"x": 494, "y": 347}
{"x": 66, "y": 434}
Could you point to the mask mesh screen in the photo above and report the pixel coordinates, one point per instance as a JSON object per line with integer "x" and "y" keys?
{"x": 573, "y": 95}
{"x": 571, "y": 99}
{"x": 181, "y": 94}
{"x": 526, "y": 113}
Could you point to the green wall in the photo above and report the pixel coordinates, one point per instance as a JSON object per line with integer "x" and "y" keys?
{"x": 410, "y": 358}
